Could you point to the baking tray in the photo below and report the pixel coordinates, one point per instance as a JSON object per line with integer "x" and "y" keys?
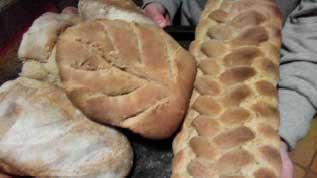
{"x": 152, "y": 159}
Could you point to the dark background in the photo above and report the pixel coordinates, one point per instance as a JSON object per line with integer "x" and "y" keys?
{"x": 18, "y": 14}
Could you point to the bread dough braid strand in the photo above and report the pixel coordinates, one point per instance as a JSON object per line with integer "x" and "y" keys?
{"x": 231, "y": 127}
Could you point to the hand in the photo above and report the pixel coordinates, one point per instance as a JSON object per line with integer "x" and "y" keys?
{"x": 158, "y": 14}
{"x": 287, "y": 165}
{"x": 70, "y": 10}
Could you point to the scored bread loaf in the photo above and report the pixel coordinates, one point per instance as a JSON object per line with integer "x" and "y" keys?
{"x": 37, "y": 48}
{"x": 124, "y": 70}
{"x": 43, "y": 135}
{"x": 131, "y": 75}
{"x": 231, "y": 129}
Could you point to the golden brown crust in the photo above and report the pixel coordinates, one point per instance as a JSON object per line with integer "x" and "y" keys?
{"x": 230, "y": 130}
{"x": 126, "y": 74}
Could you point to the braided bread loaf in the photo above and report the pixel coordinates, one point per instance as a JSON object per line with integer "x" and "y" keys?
{"x": 127, "y": 74}
{"x": 231, "y": 128}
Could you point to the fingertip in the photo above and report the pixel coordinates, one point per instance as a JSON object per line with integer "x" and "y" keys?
{"x": 168, "y": 23}
{"x": 70, "y": 10}
{"x": 162, "y": 25}
{"x": 161, "y": 22}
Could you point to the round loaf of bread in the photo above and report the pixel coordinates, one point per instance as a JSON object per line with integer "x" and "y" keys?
{"x": 126, "y": 74}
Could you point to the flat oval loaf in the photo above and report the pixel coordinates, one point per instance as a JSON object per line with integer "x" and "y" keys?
{"x": 125, "y": 74}
{"x": 43, "y": 135}
{"x": 231, "y": 129}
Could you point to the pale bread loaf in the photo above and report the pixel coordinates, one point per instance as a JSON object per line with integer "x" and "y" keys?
{"x": 42, "y": 134}
{"x": 39, "y": 41}
{"x": 37, "y": 48}
{"x": 112, "y": 10}
{"x": 231, "y": 128}
{"x": 126, "y": 74}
